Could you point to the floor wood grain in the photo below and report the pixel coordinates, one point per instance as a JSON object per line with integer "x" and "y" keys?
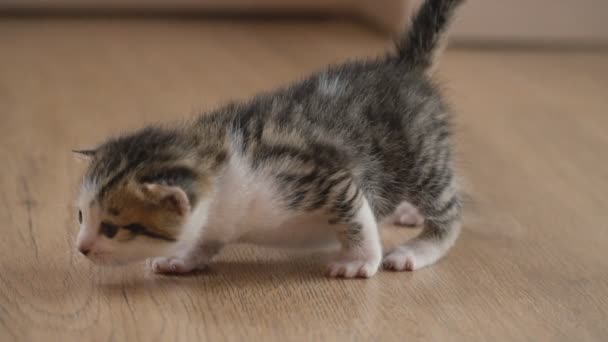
{"x": 532, "y": 262}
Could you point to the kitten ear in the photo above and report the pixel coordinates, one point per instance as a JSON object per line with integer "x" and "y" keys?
{"x": 170, "y": 197}
{"x": 87, "y": 154}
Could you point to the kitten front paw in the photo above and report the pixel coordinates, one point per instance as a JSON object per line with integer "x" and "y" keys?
{"x": 172, "y": 265}
{"x": 350, "y": 267}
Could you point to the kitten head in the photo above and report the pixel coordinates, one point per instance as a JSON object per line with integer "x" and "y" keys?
{"x": 138, "y": 195}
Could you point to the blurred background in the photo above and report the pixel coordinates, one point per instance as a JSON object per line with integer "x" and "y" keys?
{"x": 528, "y": 82}
{"x": 483, "y": 21}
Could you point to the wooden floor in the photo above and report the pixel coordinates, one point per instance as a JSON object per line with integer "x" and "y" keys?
{"x": 532, "y": 262}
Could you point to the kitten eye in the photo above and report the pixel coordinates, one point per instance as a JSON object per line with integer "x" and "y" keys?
{"x": 109, "y": 230}
{"x": 79, "y": 216}
{"x": 135, "y": 228}
{"x": 138, "y": 229}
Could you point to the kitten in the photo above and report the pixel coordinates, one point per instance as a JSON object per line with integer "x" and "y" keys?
{"x": 325, "y": 159}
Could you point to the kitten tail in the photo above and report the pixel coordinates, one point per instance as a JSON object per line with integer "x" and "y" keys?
{"x": 419, "y": 47}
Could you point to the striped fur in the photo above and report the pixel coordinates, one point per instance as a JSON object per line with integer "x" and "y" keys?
{"x": 329, "y": 156}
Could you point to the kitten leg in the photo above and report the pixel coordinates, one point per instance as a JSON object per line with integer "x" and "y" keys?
{"x": 406, "y": 215}
{"x": 361, "y": 250}
{"x": 188, "y": 261}
{"x": 441, "y": 228}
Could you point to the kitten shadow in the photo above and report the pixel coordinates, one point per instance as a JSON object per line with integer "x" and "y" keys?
{"x": 226, "y": 274}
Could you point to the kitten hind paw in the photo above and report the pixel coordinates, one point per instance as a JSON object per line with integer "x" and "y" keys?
{"x": 413, "y": 255}
{"x": 406, "y": 215}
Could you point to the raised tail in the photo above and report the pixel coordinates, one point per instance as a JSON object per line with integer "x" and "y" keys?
{"x": 419, "y": 47}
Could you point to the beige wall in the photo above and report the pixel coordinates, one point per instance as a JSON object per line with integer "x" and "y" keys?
{"x": 527, "y": 21}
{"x": 561, "y": 20}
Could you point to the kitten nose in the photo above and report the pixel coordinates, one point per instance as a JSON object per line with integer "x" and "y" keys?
{"x": 84, "y": 250}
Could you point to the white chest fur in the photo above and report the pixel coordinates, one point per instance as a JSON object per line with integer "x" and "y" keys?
{"x": 246, "y": 208}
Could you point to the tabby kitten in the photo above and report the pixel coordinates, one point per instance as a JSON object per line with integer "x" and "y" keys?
{"x": 325, "y": 159}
